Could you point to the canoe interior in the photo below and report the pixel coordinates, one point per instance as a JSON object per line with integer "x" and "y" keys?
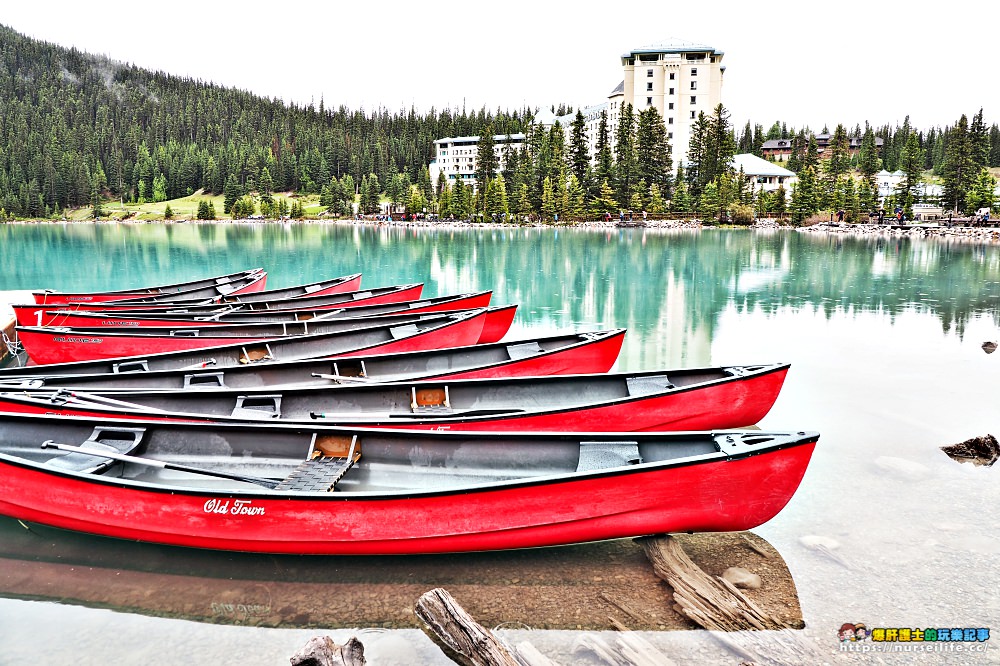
{"x": 410, "y": 400}
{"x": 205, "y": 370}
{"x": 388, "y": 463}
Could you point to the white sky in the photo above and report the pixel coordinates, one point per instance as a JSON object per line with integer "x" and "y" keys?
{"x": 804, "y": 63}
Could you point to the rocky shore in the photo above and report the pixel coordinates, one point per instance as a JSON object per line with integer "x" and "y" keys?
{"x": 958, "y": 233}
{"x": 972, "y": 234}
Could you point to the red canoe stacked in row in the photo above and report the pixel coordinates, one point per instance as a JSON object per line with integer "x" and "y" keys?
{"x": 248, "y": 407}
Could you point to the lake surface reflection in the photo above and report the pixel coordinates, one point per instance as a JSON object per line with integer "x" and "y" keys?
{"x": 884, "y": 337}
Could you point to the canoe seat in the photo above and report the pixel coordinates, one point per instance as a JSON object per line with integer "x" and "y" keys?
{"x": 319, "y": 475}
{"x": 523, "y": 350}
{"x": 321, "y": 471}
{"x": 603, "y": 455}
{"x": 404, "y": 331}
{"x": 112, "y": 440}
{"x": 647, "y": 385}
{"x": 258, "y": 406}
{"x": 430, "y": 400}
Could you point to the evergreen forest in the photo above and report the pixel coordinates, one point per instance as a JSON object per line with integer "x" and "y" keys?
{"x": 79, "y": 130}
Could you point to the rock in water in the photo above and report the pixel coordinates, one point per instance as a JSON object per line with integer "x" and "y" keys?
{"x": 980, "y": 451}
{"x": 904, "y": 469}
{"x": 989, "y": 347}
{"x": 740, "y": 577}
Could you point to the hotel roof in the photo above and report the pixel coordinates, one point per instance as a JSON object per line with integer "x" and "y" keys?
{"x": 672, "y": 46}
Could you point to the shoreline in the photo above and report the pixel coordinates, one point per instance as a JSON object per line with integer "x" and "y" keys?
{"x": 988, "y": 235}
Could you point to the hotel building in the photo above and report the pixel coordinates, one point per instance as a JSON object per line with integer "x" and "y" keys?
{"x": 680, "y": 79}
{"x": 456, "y": 156}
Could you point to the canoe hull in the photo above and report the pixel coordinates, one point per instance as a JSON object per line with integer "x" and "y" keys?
{"x": 124, "y": 320}
{"x": 733, "y": 402}
{"x": 55, "y": 297}
{"x": 245, "y": 286}
{"x": 723, "y": 495}
{"x": 441, "y": 330}
{"x": 581, "y": 353}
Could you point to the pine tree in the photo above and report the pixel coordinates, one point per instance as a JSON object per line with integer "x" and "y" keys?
{"x": 604, "y": 172}
{"x": 265, "y": 186}
{"x": 653, "y": 150}
{"x": 656, "y": 203}
{"x": 579, "y": 155}
{"x": 912, "y": 166}
{"x": 95, "y": 202}
{"x": 232, "y": 193}
{"x": 804, "y": 196}
{"x": 981, "y": 192}
{"x": 548, "y": 209}
{"x": 487, "y": 163}
{"x": 604, "y": 202}
{"x": 959, "y": 166}
{"x": 626, "y": 165}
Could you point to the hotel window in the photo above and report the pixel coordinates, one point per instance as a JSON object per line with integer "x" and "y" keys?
{"x": 670, "y": 121}
{"x": 649, "y": 86}
{"x": 649, "y": 72}
{"x": 694, "y": 71}
{"x": 694, "y": 85}
{"x": 670, "y": 106}
{"x": 694, "y": 100}
{"x": 692, "y": 115}
{"x": 670, "y": 135}
{"x": 671, "y": 91}
{"x": 649, "y": 101}
{"x": 671, "y": 76}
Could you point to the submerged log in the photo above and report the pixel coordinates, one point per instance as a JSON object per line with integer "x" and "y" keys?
{"x": 711, "y": 602}
{"x": 980, "y": 451}
{"x": 715, "y": 604}
{"x": 465, "y": 640}
{"x": 322, "y": 651}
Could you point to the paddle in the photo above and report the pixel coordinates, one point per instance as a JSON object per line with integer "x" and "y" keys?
{"x": 267, "y": 483}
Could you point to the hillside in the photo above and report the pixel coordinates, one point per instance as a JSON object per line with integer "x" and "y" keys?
{"x": 73, "y": 123}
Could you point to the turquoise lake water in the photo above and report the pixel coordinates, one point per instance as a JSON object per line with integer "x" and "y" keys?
{"x": 885, "y": 340}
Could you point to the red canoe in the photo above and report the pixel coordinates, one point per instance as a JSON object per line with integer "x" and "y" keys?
{"x": 337, "y": 285}
{"x": 221, "y": 287}
{"x": 662, "y": 400}
{"x": 56, "y": 344}
{"x": 498, "y": 319}
{"x": 32, "y": 315}
{"x": 270, "y": 488}
{"x": 590, "y": 352}
{"x": 228, "y": 314}
{"x": 56, "y": 297}
{"x": 390, "y": 333}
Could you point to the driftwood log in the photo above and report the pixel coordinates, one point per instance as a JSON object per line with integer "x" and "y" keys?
{"x": 715, "y": 604}
{"x": 465, "y": 640}
{"x": 322, "y": 651}
{"x": 711, "y": 602}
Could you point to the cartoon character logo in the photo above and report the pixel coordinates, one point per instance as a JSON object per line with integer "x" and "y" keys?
{"x": 846, "y": 632}
{"x": 860, "y": 632}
